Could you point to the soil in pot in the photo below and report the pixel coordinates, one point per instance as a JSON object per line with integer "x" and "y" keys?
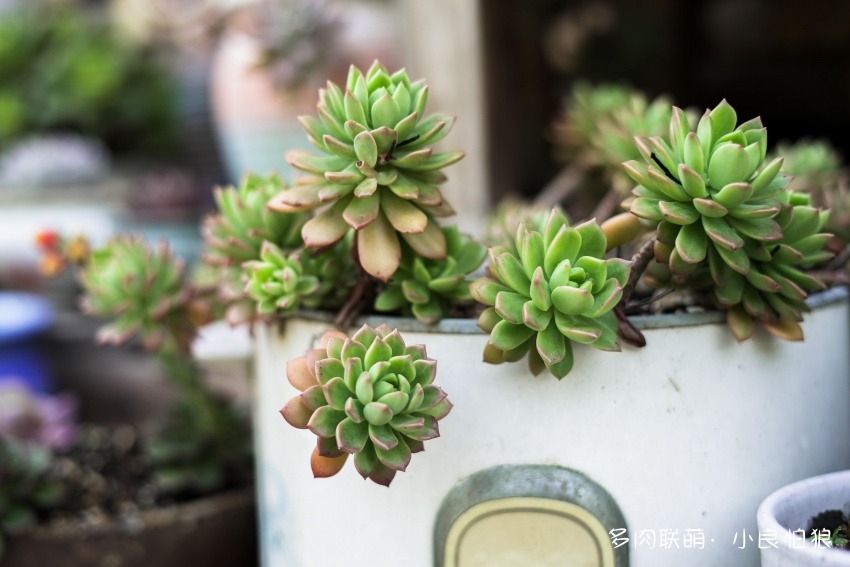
{"x": 830, "y": 528}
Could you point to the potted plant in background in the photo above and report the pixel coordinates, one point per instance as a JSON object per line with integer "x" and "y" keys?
{"x": 177, "y": 495}
{"x": 710, "y": 215}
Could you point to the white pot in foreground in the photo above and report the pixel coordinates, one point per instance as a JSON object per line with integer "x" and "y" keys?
{"x": 791, "y": 508}
{"x": 684, "y": 437}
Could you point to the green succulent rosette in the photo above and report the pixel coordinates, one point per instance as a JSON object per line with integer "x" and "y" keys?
{"x": 818, "y": 170}
{"x": 709, "y": 191}
{"x": 557, "y": 290}
{"x": 28, "y": 485}
{"x": 378, "y": 173}
{"x": 599, "y": 124}
{"x": 428, "y": 288}
{"x": 371, "y": 396}
{"x": 509, "y": 214}
{"x": 773, "y": 292}
{"x": 142, "y": 288}
{"x": 281, "y": 282}
{"x": 236, "y": 234}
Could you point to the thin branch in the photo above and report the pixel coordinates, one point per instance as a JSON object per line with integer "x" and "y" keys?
{"x": 635, "y": 307}
{"x": 355, "y": 304}
{"x": 840, "y": 259}
{"x": 560, "y": 188}
{"x": 627, "y": 331}
{"x": 640, "y": 261}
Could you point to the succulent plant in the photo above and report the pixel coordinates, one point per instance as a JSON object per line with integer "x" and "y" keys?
{"x": 236, "y": 234}
{"x": 428, "y": 288}
{"x": 28, "y": 485}
{"x": 143, "y": 289}
{"x": 47, "y": 421}
{"x": 773, "y": 291}
{"x": 371, "y": 396}
{"x": 818, "y": 170}
{"x": 296, "y": 38}
{"x": 558, "y": 289}
{"x": 282, "y": 283}
{"x": 53, "y": 160}
{"x": 379, "y": 176}
{"x": 709, "y": 191}
{"x": 599, "y": 124}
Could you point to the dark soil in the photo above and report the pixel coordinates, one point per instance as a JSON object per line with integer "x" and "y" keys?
{"x": 834, "y": 522}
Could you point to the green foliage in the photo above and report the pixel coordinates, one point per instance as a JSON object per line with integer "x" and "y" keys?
{"x": 428, "y": 289}
{"x": 557, "y": 289}
{"x": 63, "y": 69}
{"x": 509, "y": 214}
{"x": 28, "y": 486}
{"x": 379, "y": 174}
{"x": 371, "y": 396}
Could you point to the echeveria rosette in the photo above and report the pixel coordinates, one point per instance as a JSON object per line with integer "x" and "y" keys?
{"x": 708, "y": 191}
{"x": 558, "y": 289}
{"x": 142, "y": 288}
{"x": 773, "y": 292}
{"x": 379, "y": 175}
{"x": 371, "y": 396}
{"x": 236, "y": 234}
{"x": 281, "y": 282}
{"x": 428, "y": 288}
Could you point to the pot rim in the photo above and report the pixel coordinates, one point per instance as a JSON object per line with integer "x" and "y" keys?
{"x": 767, "y": 522}
{"x": 644, "y": 322}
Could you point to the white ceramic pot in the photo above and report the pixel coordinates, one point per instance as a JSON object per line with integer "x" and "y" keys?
{"x": 688, "y": 434}
{"x": 791, "y": 508}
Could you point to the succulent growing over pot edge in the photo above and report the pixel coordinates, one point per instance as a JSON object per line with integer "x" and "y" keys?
{"x": 371, "y": 396}
{"x": 44, "y": 420}
{"x": 379, "y": 175}
{"x": 557, "y": 289}
{"x": 428, "y": 288}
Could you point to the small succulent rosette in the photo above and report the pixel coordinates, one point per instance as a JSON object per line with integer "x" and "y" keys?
{"x": 427, "y": 289}
{"x": 369, "y": 395}
{"x": 556, "y": 290}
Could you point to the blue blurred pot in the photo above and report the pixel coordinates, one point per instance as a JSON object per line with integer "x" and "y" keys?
{"x": 22, "y": 317}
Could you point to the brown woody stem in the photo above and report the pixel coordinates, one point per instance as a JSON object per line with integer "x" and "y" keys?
{"x": 640, "y": 261}
{"x": 560, "y": 188}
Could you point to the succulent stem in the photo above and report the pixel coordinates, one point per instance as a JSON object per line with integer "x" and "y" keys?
{"x": 561, "y": 187}
{"x": 640, "y": 261}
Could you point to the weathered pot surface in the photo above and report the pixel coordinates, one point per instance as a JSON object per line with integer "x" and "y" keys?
{"x": 791, "y": 508}
{"x": 685, "y": 437}
{"x": 217, "y": 531}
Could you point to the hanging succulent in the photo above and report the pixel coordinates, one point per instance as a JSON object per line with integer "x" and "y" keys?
{"x": 379, "y": 176}
{"x": 558, "y": 289}
{"x": 428, "y": 288}
{"x": 709, "y": 191}
{"x": 773, "y": 292}
{"x": 370, "y": 396}
{"x": 282, "y": 283}
{"x": 599, "y": 124}
{"x": 144, "y": 290}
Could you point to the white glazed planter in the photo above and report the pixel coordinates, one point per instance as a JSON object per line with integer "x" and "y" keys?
{"x": 791, "y": 508}
{"x": 689, "y": 433}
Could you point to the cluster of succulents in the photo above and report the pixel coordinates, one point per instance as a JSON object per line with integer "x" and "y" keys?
{"x": 599, "y": 124}
{"x": 427, "y": 289}
{"x": 28, "y": 486}
{"x": 556, "y": 290}
{"x": 44, "y": 420}
{"x": 296, "y": 38}
{"x": 713, "y": 198}
{"x": 369, "y": 395}
{"x": 379, "y": 174}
